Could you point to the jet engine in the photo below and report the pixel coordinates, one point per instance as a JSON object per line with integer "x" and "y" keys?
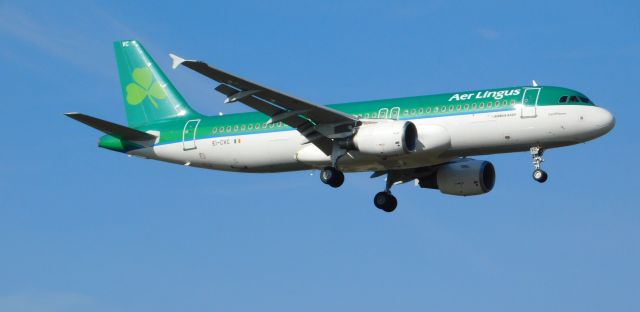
{"x": 463, "y": 178}
{"x": 386, "y": 138}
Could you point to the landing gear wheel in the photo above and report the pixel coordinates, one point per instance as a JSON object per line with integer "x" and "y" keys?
{"x": 540, "y": 176}
{"x": 332, "y": 176}
{"x": 385, "y": 201}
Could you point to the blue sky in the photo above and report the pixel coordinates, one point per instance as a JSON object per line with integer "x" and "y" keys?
{"x": 83, "y": 228}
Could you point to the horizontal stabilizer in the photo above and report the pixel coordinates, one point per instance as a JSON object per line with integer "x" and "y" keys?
{"x": 111, "y": 128}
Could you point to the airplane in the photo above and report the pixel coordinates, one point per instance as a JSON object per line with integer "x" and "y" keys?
{"x": 426, "y": 139}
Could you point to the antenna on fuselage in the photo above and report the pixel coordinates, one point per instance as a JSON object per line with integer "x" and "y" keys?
{"x": 534, "y": 83}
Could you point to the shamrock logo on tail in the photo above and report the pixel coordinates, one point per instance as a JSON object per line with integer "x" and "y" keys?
{"x": 143, "y": 87}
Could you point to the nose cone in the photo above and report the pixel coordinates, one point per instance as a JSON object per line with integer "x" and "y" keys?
{"x": 602, "y": 120}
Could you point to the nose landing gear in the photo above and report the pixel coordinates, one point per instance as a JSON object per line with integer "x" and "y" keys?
{"x": 538, "y": 174}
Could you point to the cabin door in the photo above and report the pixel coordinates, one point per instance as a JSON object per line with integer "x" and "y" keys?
{"x": 189, "y": 134}
{"x": 530, "y": 102}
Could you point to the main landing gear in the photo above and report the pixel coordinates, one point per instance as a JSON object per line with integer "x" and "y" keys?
{"x": 384, "y": 200}
{"x": 538, "y": 174}
{"x": 332, "y": 176}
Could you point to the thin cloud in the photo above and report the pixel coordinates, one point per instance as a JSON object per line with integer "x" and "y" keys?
{"x": 69, "y": 47}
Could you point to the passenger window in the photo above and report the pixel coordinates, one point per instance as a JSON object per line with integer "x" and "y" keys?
{"x": 214, "y": 131}
{"x": 513, "y": 102}
{"x": 366, "y": 115}
{"x": 250, "y": 126}
{"x": 280, "y": 124}
{"x": 451, "y": 108}
{"x": 373, "y": 115}
{"x": 257, "y": 125}
{"x": 489, "y": 104}
{"x": 504, "y": 103}
{"x": 573, "y": 99}
{"x": 458, "y": 107}
{"x": 235, "y": 128}
{"x": 563, "y": 99}
{"x": 428, "y": 110}
{"x": 473, "y": 106}
{"x": 271, "y": 125}
{"x": 413, "y": 112}
{"x": 420, "y": 110}
{"x": 466, "y": 106}
{"x": 221, "y": 129}
{"x": 435, "y": 109}
{"x": 444, "y": 109}
{"x": 228, "y": 128}
{"x": 242, "y": 127}
{"x": 481, "y": 105}
{"x": 405, "y": 112}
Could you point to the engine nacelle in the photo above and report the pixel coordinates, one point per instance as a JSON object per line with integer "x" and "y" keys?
{"x": 463, "y": 178}
{"x": 386, "y": 138}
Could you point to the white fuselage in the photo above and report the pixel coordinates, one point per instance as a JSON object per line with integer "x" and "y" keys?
{"x": 470, "y": 134}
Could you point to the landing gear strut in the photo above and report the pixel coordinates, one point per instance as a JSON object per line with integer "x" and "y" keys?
{"x": 331, "y": 175}
{"x": 538, "y": 174}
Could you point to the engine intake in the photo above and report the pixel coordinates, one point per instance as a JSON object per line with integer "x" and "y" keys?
{"x": 386, "y": 138}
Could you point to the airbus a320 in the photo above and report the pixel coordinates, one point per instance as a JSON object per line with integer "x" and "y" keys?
{"x": 428, "y": 139}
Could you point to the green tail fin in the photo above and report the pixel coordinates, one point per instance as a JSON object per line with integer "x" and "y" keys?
{"x": 148, "y": 95}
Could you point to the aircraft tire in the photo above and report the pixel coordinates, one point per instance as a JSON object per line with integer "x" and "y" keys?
{"x": 332, "y": 176}
{"x": 385, "y": 201}
{"x": 540, "y": 175}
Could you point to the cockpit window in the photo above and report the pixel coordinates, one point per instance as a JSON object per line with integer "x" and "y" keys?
{"x": 574, "y": 99}
{"x": 585, "y": 100}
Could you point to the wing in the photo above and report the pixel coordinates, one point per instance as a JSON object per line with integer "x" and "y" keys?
{"x": 319, "y": 124}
